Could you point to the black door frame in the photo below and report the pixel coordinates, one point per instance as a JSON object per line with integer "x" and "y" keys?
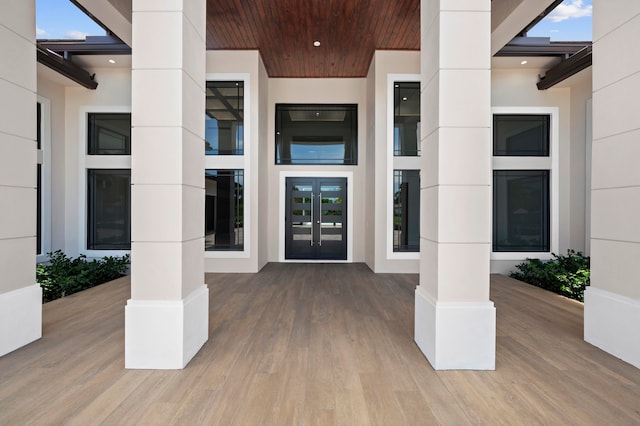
{"x": 311, "y": 248}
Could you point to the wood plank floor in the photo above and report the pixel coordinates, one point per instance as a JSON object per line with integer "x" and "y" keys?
{"x": 316, "y": 345}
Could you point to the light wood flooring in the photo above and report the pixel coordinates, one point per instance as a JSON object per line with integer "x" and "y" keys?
{"x": 317, "y": 344}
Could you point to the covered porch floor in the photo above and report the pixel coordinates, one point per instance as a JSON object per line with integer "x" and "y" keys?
{"x": 316, "y": 344}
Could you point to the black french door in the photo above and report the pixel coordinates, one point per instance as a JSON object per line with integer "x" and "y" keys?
{"x": 316, "y": 218}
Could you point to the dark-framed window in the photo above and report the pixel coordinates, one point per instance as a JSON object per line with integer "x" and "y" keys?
{"x": 39, "y": 209}
{"x": 109, "y": 134}
{"x": 406, "y": 118}
{"x": 406, "y": 210}
{"x": 224, "y": 118}
{"x": 324, "y": 134}
{"x": 521, "y": 135}
{"x": 521, "y": 211}
{"x": 39, "y": 180}
{"x": 108, "y": 209}
{"x": 224, "y": 209}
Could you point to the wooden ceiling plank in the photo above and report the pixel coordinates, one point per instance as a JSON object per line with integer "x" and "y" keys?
{"x": 283, "y": 30}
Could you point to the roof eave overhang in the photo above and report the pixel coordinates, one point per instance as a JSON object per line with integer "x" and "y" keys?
{"x": 66, "y": 68}
{"x": 567, "y": 68}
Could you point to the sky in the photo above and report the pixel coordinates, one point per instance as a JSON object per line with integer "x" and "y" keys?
{"x": 60, "y": 19}
{"x": 571, "y": 21}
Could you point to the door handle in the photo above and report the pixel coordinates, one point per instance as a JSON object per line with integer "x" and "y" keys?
{"x": 312, "y": 219}
{"x": 320, "y": 222}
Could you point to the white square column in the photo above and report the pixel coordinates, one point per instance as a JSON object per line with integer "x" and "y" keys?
{"x": 612, "y": 302}
{"x": 454, "y": 318}
{"x": 166, "y": 319}
{"x": 20, "y": 296}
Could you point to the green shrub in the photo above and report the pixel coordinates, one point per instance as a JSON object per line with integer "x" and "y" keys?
{"x": 566, "y": 275}
{"x": 62, "y": 275}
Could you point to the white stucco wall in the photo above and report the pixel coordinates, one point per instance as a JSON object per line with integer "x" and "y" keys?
{"x": 337, "y": 90}
{"x": 54, "y": 93}
{"x": 263, "y": 159}
{"x": 517, "y": 88}
{"x": 112, "y": 94}
{"x": 385, "y": 63}
{"x": 612, "y": 302}
{"x": 231, "y": 65}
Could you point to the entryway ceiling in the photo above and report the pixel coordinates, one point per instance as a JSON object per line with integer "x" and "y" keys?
{"x": 349, "y": 31}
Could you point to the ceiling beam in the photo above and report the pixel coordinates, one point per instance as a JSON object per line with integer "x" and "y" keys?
{"x": 66, "y": 68}
{"x": 566, "y": 69}
{"x": 226, "y": 103}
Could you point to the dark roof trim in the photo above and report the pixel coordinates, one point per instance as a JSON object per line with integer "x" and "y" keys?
{"x": 566, "y": 68}
{"x": 93, "y": 45}
{"x": 540, "y": 46}
{"x": 539, "y": 18}
{"x": 66, "y": 68}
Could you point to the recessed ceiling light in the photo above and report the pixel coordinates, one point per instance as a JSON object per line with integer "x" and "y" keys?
{"x": 111, "y": 61}
{"x": 404, "y": 99}
{"x": 523, "y": 62}
{"x": 316, "y": 43}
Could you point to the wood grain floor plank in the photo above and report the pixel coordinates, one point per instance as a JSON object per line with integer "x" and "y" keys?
{"x": 301, "y": 344}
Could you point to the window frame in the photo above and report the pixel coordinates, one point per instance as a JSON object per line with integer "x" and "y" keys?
{"x": 393, "y": 213}
{"x": 550, "y": 163}
{"x": 352, "y": 107}
{"x": 397, "y": 163}
{"x": 244, "y": 113}
{"x": 44, "y": 160}
{"x": 95, "y": 161}
{"x": 242, "y": 162}
{"x": 89, "y": 210}
{"x": 242, "y": 172}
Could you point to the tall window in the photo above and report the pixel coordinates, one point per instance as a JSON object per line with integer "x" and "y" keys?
{"x": 227, "y": 152}
{"x": 109, "y": 209}
{"x": 316, "y": 134}
{"x": 108, "y": 187}
{"x": 403, "y": 166}
{"x": 522, "y": 183}
{"x": 406, "y": 210}
{"x": 406, "y": 118}
{"x": 224, "y": 118}
{"x": 39, "y": 179}
{"x": 224, "y": 210}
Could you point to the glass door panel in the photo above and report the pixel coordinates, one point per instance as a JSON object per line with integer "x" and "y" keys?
{"x": 316, "y": 219}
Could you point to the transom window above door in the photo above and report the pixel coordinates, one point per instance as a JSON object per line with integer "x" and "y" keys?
{"x": 317, "y": 134}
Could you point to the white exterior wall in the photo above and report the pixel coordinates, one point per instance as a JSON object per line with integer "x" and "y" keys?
{"x": 612, "y": 302}
{"x": 335, "y": 90}
{"x": 113, "y": 94}
{"x": 244, "y": 65}
{"x": 517, "y": 88}
{"x": 401, "y": 65}
{"x": 263, "y": 158}
{"x": 455, "y": 322}
{"x": 20, "y": 296}
{"x": 54, "y": 93}
{"x": 580, "y": 162}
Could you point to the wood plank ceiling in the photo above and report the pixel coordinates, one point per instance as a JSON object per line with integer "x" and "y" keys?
{"x": 284, "y": 31}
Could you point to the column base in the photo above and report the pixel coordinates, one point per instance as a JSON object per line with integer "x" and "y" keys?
{"x": 165, "y": 335}
{"x": 456, "y": 335}
{"x": 20, "y": 318}
{"x": 612, "y": 323}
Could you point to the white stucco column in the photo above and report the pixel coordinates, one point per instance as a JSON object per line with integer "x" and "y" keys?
{"x": 454, "y": 318}
{"x": 167, "y": 315}
{"x": 612, "y": 302}
{"x": 20, "y": 296}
